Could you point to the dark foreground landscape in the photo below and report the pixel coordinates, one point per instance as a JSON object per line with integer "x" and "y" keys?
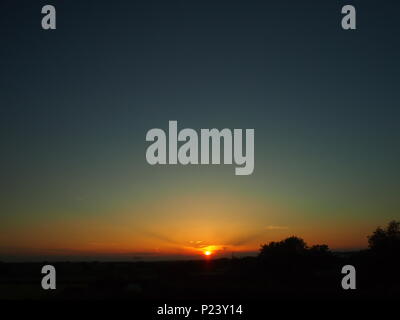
{"x": 288, "y": 269}
{"x": 243, "y": 278}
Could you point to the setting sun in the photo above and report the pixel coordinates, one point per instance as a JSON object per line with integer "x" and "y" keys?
{"x": 207, "y": 253}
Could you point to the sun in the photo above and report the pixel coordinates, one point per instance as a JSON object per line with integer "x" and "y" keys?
{"x": 207, "y": 253}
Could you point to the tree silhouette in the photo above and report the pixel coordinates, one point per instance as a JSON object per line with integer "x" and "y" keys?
{"x": 320, "y": 249}
{"x": 288, "y": 247}
{"x": 386, "y": 241}
{"x": 284, "y": 256}
{"x": 293, "y": 254}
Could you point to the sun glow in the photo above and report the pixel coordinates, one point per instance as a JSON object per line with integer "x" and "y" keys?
{"x": 207, "y": 253}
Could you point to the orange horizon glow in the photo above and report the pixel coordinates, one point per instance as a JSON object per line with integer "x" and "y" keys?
{"x": 157, "y": 247}
{"x": 188, "y": 226}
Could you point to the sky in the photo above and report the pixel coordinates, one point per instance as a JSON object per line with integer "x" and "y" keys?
{"x": 76, "y": 104}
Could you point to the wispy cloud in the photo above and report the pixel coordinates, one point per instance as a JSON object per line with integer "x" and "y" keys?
{"x": 276, "y": 228}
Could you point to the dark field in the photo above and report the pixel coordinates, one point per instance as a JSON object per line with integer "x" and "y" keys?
{"x": 240, "y": 279}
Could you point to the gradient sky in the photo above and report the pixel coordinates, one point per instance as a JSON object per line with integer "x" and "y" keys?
{"x": 76, "y": 104}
